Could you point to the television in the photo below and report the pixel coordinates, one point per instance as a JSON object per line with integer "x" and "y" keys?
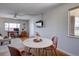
{"x": 39, "y": 24}
{"x": 16, "y": 29}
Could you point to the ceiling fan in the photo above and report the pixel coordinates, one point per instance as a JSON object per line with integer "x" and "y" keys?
{"x": 15, "y": 15}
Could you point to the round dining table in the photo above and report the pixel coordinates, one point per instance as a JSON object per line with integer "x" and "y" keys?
{"x": 37, "y": 47}
{"x": 42, "y": 44}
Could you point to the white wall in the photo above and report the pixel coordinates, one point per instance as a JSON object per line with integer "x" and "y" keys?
{"x": 4, "y": 20}
{"x": 32, "y": 26}
{"x": 56, "y": 23}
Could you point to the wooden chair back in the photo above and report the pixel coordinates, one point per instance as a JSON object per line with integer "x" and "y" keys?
{"x": 24, "y": 35}
{"x": 55, "y": 41}
{"x": 14, "y": 51}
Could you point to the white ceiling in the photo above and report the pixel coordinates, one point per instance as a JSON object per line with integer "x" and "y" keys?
{"x": 24, "y": 8}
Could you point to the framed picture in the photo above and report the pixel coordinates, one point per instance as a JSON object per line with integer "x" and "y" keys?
{"x": 39, "y": 24}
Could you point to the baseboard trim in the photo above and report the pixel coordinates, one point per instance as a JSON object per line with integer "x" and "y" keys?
{"x": 66, "y": 52}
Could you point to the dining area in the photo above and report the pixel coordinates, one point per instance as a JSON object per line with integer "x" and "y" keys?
{"x": 30, "y": 46}
{"x": 41, "y": 48}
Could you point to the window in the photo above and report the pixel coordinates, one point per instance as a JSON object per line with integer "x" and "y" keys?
{"x": 76, "y": 27}
{"x": 73, "y": 22}
{"x": 11, "y": 26}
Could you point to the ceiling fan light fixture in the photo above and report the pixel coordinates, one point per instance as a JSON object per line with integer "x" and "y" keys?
{"x": 15, "y": 15}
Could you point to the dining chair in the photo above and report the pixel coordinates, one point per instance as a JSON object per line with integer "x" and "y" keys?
{"x": 54, "y": 45}
{"x": 24, "y": 35}
{"x": 16, "y": 52}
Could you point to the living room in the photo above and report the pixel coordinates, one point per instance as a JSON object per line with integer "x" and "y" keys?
{"x": 41, "y": 19}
